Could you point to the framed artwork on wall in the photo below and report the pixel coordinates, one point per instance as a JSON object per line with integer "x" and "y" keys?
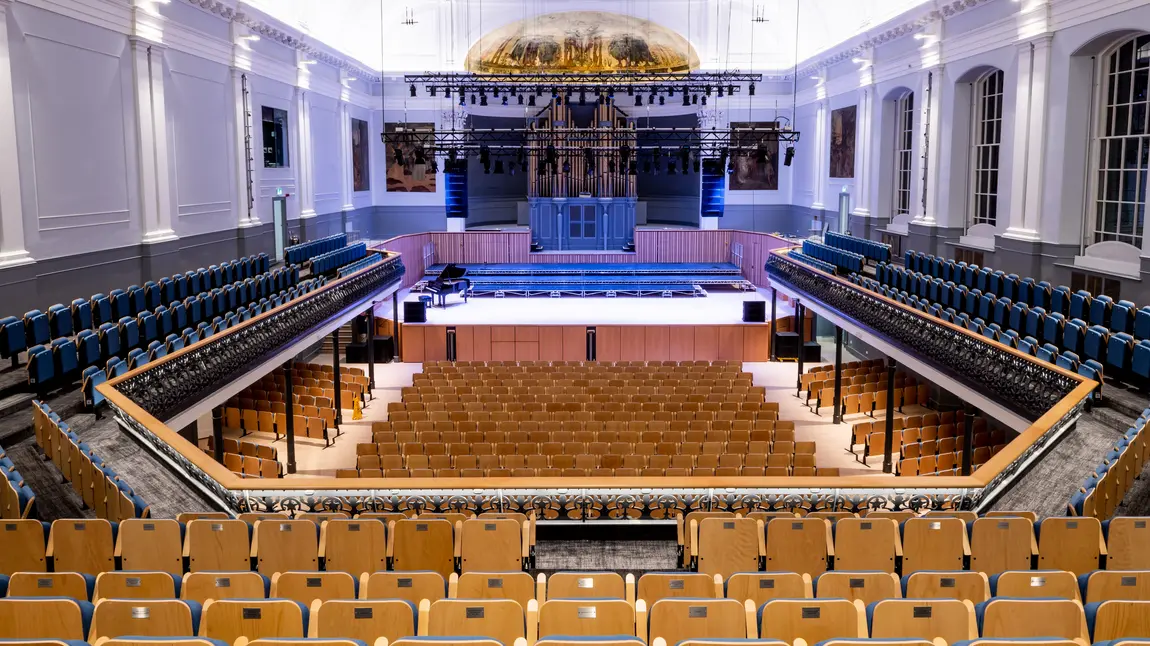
{"x": 758, "y": 171}
{"x": 843, "y": 142}
{"x": 408, "y": 176}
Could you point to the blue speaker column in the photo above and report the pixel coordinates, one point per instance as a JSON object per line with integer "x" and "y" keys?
{"x": 455, "y": 174}
{"x": 714, "y": 189}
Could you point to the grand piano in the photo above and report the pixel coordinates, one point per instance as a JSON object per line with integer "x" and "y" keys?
{"x": 450, "y": 281}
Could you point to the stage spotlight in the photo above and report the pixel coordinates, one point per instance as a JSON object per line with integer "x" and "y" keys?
{"x": 482, "y": 99}
{"x": 761, "y": 154}
{"x": 487, "y": 169}
{"x": 684, "y": 157}
{"x": 789, "y": 156}
{"x": 530, "y": 100}
{"x": 662, "y": 99}
{"x": 731, "y": 90}
{"x": 413, "y": 90}
{"x": 707, "y": 90}
{"x": 433, "y": 167}
{"x": 671, "y": 91}
{"x": 472, "y": 99}
{"x": 505, "y": 101}
{"x": 582, "y": 98}
{"x": 495, "y": 92}
{"x": 695, "y": 99}
{"x": 624, "y": 154}
{"x": 696, "y": 165}
{"x": 751, "y": 89}
{"x": 484, "y": 155}
{"x": 520, "y": 99}
{"x": 588, "y": 159}
{"x": 630, "y": 90}
{"x": 521, "y": 158}
{"x": 447, "y": 92}
{"x": 720, "y": 91}
{"x": 432, "y": 90}
{"x": 538, "y": 90}
{"x": 670, "y": 167}
{"x": 704, "y": 99}
{"x": 551, "y": 158}
{"x": 686, "y": 100}
{"x": 730, "y": 166}
{"x": 452, "y": 154}
{"x": 610, "y": 92}
{"x": 554, "y": 92}
{"x": 638, "y": 100}
{"x": 558, "y": 101}
{"x": 602, "y": 99}
{"x": 498, "y": 166}
{"x": 651, "y": 99}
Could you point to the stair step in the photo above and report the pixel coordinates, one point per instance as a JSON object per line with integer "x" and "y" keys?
{"x": 14, "y": 403}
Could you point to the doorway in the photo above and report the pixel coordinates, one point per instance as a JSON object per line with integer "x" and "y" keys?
{"x": 583, "y": 226}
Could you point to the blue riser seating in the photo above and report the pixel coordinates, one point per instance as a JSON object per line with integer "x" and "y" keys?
{"x": 845, "y": 259}
{"x": 300, "y": 253}
{"x": 338, "y": 258}
{"x": 877, "y": 251}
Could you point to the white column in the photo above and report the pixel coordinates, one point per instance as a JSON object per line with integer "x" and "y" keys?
{"x": 245, "y": 212}
{"x": 306, "y": 178}
{"x": 347, "y": 179}
{"x": 12, "y": 251}
{"x": 926, "y": 211}
{"x": 1026, "y": 191}
{"x": 863, "y": 168}
{"x": 152, "y": 140}
{"x": 821, "y": 155}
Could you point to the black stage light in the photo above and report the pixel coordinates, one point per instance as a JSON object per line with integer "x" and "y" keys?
{"x": 695, "y": 99}
{"x": 484, "y": 154}
{"x": 552, "y": 157}
{"x": 498, "y": 166}
{"x": 731, "y": 90}
{"x": 707, "y": 89}
{"x": 610, "y": 92}
{"x": 588, "y": 158}
{"x": 761, "y": 154}
{"x": 521, "y": 158}
{"x": 624, "y": 153}
{"x": 730, "y": 166}
{"x": 651, "y": 99}
{"x": 453, "y": 154}
{"x": 495, "y": 92}
{"x": 695, "y": 165}
{"x": 554, "y": 92}
{"x": 720, "y": 91}
{"x": 558, "y": 101}
{"x": 472, "y": 100}
{"x": 602, "y": 99}
{"x": 630, "y": 90}
{"x": 413, "y": 90}
{"x": 670, "y": 167}
{"x": 671, "y": 91}
{"x": 520, "y": 99}
{"x": 686, "y": 100}
{"x": 538, "y": 90}
{"x": 487, "y": 169}
{"x": 789, "y": 156}
{"x": 751, "y": 89}
{"x": 582, "y": 98}
{"x": 662, "y": 99}
{"x": 684, "y": 157}
{"x": 504, "y": 100}
{"x": 638, "y": 100}
{"x": 610, "y": 165}
{"x": 433, "y": 167}
{"x": 531, "y": 100}
{"x": 432, "y": 90}
{"x": 447, "y": 92}
{"x": 482, "y": 99}
{"x": 704, "y": 99}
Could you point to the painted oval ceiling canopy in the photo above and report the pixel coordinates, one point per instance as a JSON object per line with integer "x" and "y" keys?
{"x": 581, "y": 41}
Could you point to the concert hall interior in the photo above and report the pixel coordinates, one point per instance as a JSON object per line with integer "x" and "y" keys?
{"x": 646, "y": 322}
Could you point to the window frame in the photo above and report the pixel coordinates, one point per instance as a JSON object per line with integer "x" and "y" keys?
{"x": 284, "y": 140}
{"x": 977, "y": 213}
{"x": 902, "y": 179}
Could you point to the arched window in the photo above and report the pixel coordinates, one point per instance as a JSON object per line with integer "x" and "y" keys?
{"x": 985, "y": 139}
{"x": 1123, "y": 144}
{"x": 903, "y": 144}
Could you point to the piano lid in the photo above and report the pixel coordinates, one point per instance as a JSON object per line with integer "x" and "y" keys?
{"x": 451, "y": 272}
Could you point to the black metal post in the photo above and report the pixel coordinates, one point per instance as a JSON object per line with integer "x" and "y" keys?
{"x": 288, "y": 391}
{"x": 395, "y": 323}
{"x": 774, "y": 325}
{"x": 968, "y": 439}
{"x": 838, "y": 416}
{"x": 371, "y": 346}
{"x": 888, "y": 440}
{"x": 799, "y": 319}
{"x": 338, "y": 379}
{"x": 218, "y": 434}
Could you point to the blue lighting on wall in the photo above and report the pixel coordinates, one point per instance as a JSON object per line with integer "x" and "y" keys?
{"x": 714, "y": 189}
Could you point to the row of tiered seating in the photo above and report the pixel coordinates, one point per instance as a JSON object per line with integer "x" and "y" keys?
{"x": 1107, "y": 485}
{"x": 305, "y": 251}
{"x": 102, "y": 489}
{"x": 876, "y": 251}
{"x": 334, "y": 260}
{"x": 847, "y": 260}
{"x": 371, "y": 259}
{"x": 249, "y": 459}
{"x": 988, "y": 304}
{"x": 17, "y": 500}
{"x": 812, "y": 261}
{"x": 866, "y": 393}
{"x": 38, "y": 328}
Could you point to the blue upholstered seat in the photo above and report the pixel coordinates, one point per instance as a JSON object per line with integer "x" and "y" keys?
{"x": 1018, "y": 314}
{"x": 92, "y": 377}
{"x": 129, "y": 333}
{"x": 41, "y": 368}
{"x": 1080, "y": 303}
{"x": 1047, "y": 352}
{"x": 101, "y": 307}
{"x": 64, "y": 357}
{"x": 1001, "y": 314}
{"x": 1140, "y": 361}
{"x": 1028, "y": 344}
{"x": 149, "y": 331}
{"x": 1101, "y": 309}
{"x": 60, "y": 320}
{"x": 88, "y": 348}
{"x": 13, "y": 341}
{"x": 137, "y": 302}
{"x": 1074, "y": 335}
{"x": 1060, "y": 300}
{"x": 109, "y": 340}
{"x": 152, "y": 295}
{"x": 1120, "y": 351}
{"x": 1096, "y": 340}
{"x": 36, "y": 328}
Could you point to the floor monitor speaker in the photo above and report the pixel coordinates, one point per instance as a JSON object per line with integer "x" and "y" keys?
{"x": 414, "y": 312}
{"x": 754, "y": 311}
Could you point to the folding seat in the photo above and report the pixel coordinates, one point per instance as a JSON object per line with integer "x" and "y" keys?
{"x": 59, "y": 321}
{"x": 1017, "y": 318}
{"x": 802, "y": 545}
{"x": 868, "y": 587}
{"x": 1010, "y": 338}
{"x": 1001, "y": 312}
{"x": 136, "y": 585}
{"x": 1104, "y": 585}
{"x": 173, "y": 343}
{"x": 1120, "y": 351}
{"x": 679, "y": 620}
{"x": 1081, "y": 304}
{"x": 1126, "y": 538}
{"x": 115, "y": 367}
{"x": 193, "y": 310}
{"x": 761, "y": 587}
{"x": 863, "y": 544}
{"x": 1101, "y": 310}
{"x": 144, "y": 618}
{"x": 949, "y": 619}
{"x": 1060, "y": 298}
{"x": 1002, "y": 544}
{"x": 501, "y": 619}
{"x": 494, "y": 545}
{"x": 353, "y": 546}
{"x": 137, "y": 301}
{"x": 992, "y": 331}
{"x": 36, "y": 328}
{"x": 1054, "y": 328}
{"x": 1024, "y": 618}
{"x": 165, "y": 325}
{"x": 156, "y": 350}
{"x": 409, "y": 586}
{"x": 1035, "y": 322}
{"x": 982, "y": 278}
{"x": 73, "y": 585}
{"x": 812, "y": 620}
{"x": 654, "y": 586}
{"x": 986, "y": 306}
{"x": 308, "y": 587}
{"x": 13, "y": 341}
{"x": 129, "y": 333}
{"x": 994, "y": 281}
{"x": 1142, "y": 323}
{"x": 725, "y": 546}
{"x": 201, "y": 586}
{"x": 87, "y": 348}
{"x": 972, "y": 586}
{"x": 1118, "y": 620}
{"x": 1068, "y": 361}
{"x": 1074, "y": 335}
{"x": 933, "y": 543}
{"x": 1023, "y": 584}
{"x": 1095, "y": 342}
{"x": 137, "y": 358}
{"x": 229, "y": 619}
{"x": 1071, "y": 544}
{"x": 583, "y": 618}
{"x": 81, "y": 546}
{"x": 364, "y": 620}
{"x": 190, "y": 336}
{"x": 422, "y": 544}
{"x": 575, "y": 585}
{"x": 42, "y": 619}
{"x": 1048, "y": 352}
{"x": 150, "y": 544}
{"x": 217, "y": 545}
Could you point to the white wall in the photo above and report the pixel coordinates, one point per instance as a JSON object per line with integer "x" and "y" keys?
{"x": 326, "y": 134}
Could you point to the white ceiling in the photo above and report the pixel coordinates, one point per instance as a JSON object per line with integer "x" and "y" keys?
{"x": 723, "y": 31}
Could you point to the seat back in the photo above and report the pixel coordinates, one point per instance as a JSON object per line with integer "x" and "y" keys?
{"x": 1126, "y": 540}
{"x": 493, "y": 545}
{"x": 51, "y": 584}
{"x": 675, "y": 620}
{"x": 353, "y": 546}
{"x": 812, "y": 620}
{"x": 22, "y": 544}
{"x": 423, "y": 544}
{"x": 365, "y": 620}
{"x": 761, "y": 587}
{"x": 972, "y": 586}
{"x": 218, "y": 545}
{"x": 230, "y": 619}
{"x": 143, "y": 617}
{"x": 999, "y": 544}
{"x": 798, "y": 545}
{"x": 408, "y": 586}
{"x": 949, "y": 619}
{"x": 867, "y": 587}
{"x": 1020, "y": 618}
{"x": 82, "y": 546}
{"x": 654, "y": 586}
{"x": 866, "y": 544}
{"x": 1033, "y": 584}
{"x": 306, "y": 587}
{"x": 53, "y": 618}
{"x": 729, "y": 545}
{"x": 500, "y": 619}
{"x": 577, "y": 585}
{"x": 586, "y": 617}
{"x": 1072, "y": 544}
{"x": 150, "y": 544}
{"x": 933, "y": 543}
{"x": 285, "y": 546}
{"x": 1119, "y": 619}
{"x": 135, "y": 585}
{"x": 517, "y": 586}
{"x": 201, "y": 586}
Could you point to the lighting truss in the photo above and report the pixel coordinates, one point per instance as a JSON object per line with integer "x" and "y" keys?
{"x": 604, "y": 82}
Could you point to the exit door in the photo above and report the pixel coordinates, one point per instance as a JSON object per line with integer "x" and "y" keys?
{"x": 279, "y": 218}
{"x": 583, "y": 226}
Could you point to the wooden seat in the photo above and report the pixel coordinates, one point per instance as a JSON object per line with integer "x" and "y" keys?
{"x": 145, "y": 641}
{"x": 588, "y": 617}
{"x": 761, "y": 587}
{"x": 801, "y": 545}
{"x": 675, "y": 620}
{"x": 1035, "y": 584}
{"x": 724, "y": 546}
{"x": 1120, "y": 619}
{"x": 1126, "y": 540}
{"x": 1105, "y": 585}
{"x": 81, "y": 546}
{"x": 50, "y": 584}
{"x": 972, "y": 586}
{"x": 517, "y": 586}
{"x": 230, "y": 619}
{"x": 1001, "y": 544}
{"x": 44, "y": 619}
{"x": 603, "y": 585}
{"x": 654, "y": 586}
{"x": 501, "y": 619}
{"x": 422, "y": 544}
{"x": 409, "y": 586}
{"x": 494, "y": 545}
{"x": 150, "y": 544}
{"x": 868, "y": 587}
{"x": 285, "y": 546}
{"x": 812, "y": 620}
{"x": 306, "y": 587}
{"x": 1071, "y": 544}
{"x": 683, "y": 523}
{"x": 142, "y": 617}
{"x": 353, "y": 546}
{"x": 201, "y": 586}
{"x": 22, "y": 546}
{"x": 948, "y": 619}
{"x": 933, "y": 543}
{"x": 1020, "y": 618}
{"x": 365, "y": 620}
{"x": 864, "y": 544}
{"x": 217, "y": 545}
{"x": 135, "y": 585}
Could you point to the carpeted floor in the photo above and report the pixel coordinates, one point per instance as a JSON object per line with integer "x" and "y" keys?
{"x": 622, "y": 556}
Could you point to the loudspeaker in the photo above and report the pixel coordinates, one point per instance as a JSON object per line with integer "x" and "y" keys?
{"x": 787, "y": 345}
{"x": 414, "y": 312}
{"x": 812, "y": 351}
{"x": 754, "y": 311}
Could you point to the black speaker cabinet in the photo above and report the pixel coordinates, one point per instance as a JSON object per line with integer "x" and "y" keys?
{"x": 787, "y": 345}
{"x": 414, "y": 312}
{"x": 812, "y": 351}
{"x": 754, "y": 311}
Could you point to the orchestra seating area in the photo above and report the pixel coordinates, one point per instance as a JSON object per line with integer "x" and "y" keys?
{"x": 1104, "y": 489}
{"x": 559, "y": 419}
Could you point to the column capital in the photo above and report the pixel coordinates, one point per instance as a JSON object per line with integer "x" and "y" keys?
{"x": 1036, "y": 41}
